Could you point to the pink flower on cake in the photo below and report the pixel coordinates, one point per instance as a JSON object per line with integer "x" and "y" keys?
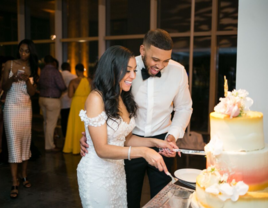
{"x": 232, "y": 106}
{"x": 236, "y": 103}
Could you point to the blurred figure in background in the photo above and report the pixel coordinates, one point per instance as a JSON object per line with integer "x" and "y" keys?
{"x": 18, "y": 79}
{"x": 51, "y": 86}
{"x": 78, "y": 90}
{"x": 2, "y": 65}
{"x": 65, "y": 100}
{"x": 56, "y": 131}
{"x": 56, "y": 64}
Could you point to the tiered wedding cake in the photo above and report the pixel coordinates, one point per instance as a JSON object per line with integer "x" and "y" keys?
{"x": 237, "y": 158}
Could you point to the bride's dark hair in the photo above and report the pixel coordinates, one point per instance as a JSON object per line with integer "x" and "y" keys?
{"x": 111, "y": 69}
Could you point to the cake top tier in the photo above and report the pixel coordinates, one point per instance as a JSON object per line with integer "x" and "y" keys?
{"x": 243, "y": 133}
{"x": 249, "y": 114}
{"x": 234, "y": 125}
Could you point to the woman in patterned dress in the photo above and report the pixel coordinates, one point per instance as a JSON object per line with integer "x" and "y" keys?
{"x": 109, "y": 120}
{"x": 18, "y": 83}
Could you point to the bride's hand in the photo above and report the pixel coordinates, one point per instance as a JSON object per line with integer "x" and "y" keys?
{"x": 155, "y": 159}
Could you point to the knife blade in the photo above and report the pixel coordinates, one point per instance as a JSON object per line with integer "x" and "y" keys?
{"x": 190, "y": 152}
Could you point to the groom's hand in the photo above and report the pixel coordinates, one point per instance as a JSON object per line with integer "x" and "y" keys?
{"x": 171, "y": 138}
{"x": 83, "y": 145}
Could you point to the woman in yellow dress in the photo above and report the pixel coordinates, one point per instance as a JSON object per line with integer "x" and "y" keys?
{"x": 79, "y": 88}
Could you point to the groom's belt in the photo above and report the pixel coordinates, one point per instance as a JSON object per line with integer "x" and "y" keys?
{"x": 50, "y": 97}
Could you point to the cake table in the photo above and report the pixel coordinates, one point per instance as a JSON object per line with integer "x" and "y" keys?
{"x": 171, "y": 196}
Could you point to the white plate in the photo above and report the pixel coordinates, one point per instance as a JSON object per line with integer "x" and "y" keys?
{"x": 187, "y": 174}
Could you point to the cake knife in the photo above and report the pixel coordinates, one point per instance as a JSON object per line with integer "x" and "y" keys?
{"x": 190, "y": 152}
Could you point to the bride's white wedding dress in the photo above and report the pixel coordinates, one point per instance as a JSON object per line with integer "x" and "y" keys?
{"x": 102, "y": 182}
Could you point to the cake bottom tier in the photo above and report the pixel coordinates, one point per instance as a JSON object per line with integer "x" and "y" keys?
{"x": 249, "y": 167}
{"x": 255, "y": 199}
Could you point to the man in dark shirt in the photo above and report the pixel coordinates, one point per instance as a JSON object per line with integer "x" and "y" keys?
{"x": 51, "y": 86}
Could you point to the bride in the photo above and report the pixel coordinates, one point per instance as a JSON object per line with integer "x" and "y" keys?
{"x": 109, "y": 119}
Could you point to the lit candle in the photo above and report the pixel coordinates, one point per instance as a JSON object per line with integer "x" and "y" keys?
{"x": 225, "y": 87}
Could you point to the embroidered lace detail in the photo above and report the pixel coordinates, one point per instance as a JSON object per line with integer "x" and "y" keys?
{"x": 96, "y": 121}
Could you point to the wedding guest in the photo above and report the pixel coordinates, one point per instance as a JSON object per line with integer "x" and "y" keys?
{"x": 56, "y": 64}
{"x": 18, "y": 79}
{"x": 65, "y": 100}
{"x": 78, "y": 90}
{"x": 51, "y": 86}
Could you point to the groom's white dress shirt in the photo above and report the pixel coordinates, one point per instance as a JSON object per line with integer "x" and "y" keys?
{"x": 157, "y": 97}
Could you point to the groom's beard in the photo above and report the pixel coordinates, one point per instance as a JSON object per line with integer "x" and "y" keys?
{"x": 145, "y": 65}
{"x": 147, "y": 68}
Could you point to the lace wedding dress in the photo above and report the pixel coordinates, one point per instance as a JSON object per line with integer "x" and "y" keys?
{"x": 102, "y": 182}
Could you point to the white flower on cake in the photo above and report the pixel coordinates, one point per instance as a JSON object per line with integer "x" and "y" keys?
{"x": 214, "y": 189}
{"x": 240, "y": 189}
{"x": 236, "y": 103}
{"x": 232, "y": 192}
{"x": 209, "y": 176}
{"x": 226, "y": 191}
{"x": 217, "y": 184}
{"x": 224, "y": 178}
{"x": 211, "y": 169}
{"x": 215, "y": 146}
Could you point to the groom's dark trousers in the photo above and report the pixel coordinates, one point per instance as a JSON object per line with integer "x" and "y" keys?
{"x": 135, "y": 172}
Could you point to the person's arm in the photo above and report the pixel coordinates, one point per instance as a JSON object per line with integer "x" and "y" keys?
{"x": 166, "y": 146}
{"x": 59, "y": 81}
{"x": 136, "y": 141}
{"x": 71, "y": 89}
{"x": 133, "y": 140}
{"x": 94, "y": 106}
{"x": 7, "y": 81}
{"x": 30, "y": 87}
{"x": 182, "y": 110}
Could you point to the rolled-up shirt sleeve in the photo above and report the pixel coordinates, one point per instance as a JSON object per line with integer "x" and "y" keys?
{"x": 182, "y": 109}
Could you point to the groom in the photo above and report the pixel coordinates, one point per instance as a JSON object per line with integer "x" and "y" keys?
{"x": 160, "y": 87}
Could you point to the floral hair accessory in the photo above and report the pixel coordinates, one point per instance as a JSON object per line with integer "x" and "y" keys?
{"x": 235, "y": 104}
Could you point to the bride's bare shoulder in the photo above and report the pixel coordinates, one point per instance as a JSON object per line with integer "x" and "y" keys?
{"x": 94, "y": 104}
